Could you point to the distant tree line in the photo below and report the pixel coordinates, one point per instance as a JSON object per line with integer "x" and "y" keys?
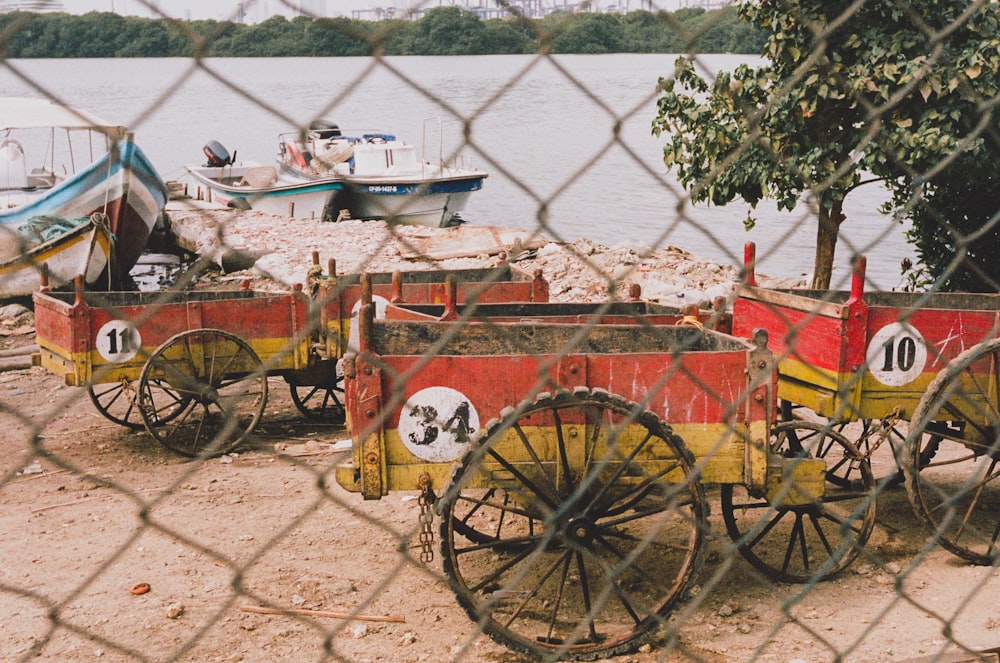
{"x": 441, "y": 31}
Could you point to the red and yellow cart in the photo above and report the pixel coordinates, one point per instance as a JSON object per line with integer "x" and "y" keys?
{"x": 568, "y": 462}
{"x": 191, "y": 366}
{"x": 911, "y": 377}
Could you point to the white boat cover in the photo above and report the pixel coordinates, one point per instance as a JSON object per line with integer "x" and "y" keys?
{"x": 33, "y": 113}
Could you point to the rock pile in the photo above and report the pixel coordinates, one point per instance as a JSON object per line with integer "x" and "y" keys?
{"x": 276, "y": 252}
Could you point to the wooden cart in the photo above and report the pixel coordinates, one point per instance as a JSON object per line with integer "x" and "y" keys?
{"x": 179, "y": 363}
{"x": 916, "y": 375}
{"x": 190, "y": 367}
{"x": 571, "y": 459}
{"x": 318, "y": 391}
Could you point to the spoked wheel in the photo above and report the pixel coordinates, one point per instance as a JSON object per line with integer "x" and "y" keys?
{"x": 482, "y": 517}
{"x": 796, "y": 539}
{"x": 880, "y": 441}
{"x": 573, "y": 527}
{"x": 323, "y": 398}
{"x": 958, "y": 493}
{"x": 202, "y": 393}
{"x": 118, "y": 402}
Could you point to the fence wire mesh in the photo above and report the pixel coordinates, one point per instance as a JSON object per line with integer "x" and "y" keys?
{"x": 533, "y": 451}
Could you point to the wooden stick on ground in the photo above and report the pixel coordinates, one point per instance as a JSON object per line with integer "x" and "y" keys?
{"x": 96, "y": 497}
{"x": 324, "y": 613}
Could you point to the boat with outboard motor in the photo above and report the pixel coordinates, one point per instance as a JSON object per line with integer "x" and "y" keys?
{"x": 332, "y": 174}
{"x": 91, "y": 218}
{"x": 383, "y": 176}
{"x": 253, "y": 186}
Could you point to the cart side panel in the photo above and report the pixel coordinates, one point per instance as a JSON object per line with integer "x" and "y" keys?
{"x": 62, "y": 334}
{"x": 702, "y": 396}
{"x": 95, "y": 343}
{"x": 911, "y": 302}
{"x": 810, "y": 343}
{"x": 906, "y": 348}
{"x": 342, "y": 298}
{"x": 505, "y": 272}
{"x": 622, "y": 313}
{"x": 437, "y": 404}
{"x": 276, "y": 326}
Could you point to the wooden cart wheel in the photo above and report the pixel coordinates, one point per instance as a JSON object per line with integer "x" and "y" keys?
{"x": 482, "y": 517}
{"x": 867, "y": 435}
{"x": 118, "y": 402}
{"x": 806, "y": 542}
{"x": 322, "y": 402}
{"x": 596, "y": 526}
{"x": 958, "y": 493}
{"x": 202, "y": 392}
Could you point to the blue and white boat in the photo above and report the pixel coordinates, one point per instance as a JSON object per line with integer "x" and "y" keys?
{"x": 251, "y": 186}
{"x": 76, "y": 194}
{"x": 332, "y": 174}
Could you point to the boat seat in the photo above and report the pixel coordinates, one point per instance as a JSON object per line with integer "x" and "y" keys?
{"x": 259, "y": 176}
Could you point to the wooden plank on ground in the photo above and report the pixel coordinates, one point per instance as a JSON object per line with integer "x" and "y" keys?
{"x": 470, "y": 241}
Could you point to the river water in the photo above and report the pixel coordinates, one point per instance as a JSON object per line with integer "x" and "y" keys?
{"x": 544, "y": 129}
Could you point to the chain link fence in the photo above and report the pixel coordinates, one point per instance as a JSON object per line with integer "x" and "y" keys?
{"x": 507, "y": 456}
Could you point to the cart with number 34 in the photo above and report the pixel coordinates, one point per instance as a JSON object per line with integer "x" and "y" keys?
{"x": 568, "y": 463}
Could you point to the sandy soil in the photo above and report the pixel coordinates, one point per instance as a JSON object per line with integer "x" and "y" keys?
{"x": 89, "y": 511}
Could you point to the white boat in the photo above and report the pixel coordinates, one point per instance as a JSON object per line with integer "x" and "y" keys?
{"x": 331, "y": 174}
{"x": 76, "y": 194}
{"x": 261, "y": 188}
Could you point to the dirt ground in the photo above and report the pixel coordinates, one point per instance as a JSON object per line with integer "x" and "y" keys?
{"x": 91, "y": 510}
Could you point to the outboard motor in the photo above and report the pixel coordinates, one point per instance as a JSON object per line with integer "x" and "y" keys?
{"x": 217, "y": 154}
{"x": 325, "y": 129}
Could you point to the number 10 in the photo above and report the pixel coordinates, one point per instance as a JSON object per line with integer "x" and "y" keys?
{"x": 904, "y": 355}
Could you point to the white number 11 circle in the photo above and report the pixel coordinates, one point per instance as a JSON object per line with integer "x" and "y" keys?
{"x": 118, "y": 341}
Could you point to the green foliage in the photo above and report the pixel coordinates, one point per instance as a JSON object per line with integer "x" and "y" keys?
{"x": 508, "y": 36}
{"x": 849, "y": 91}
{"x": 589, "y": 34}
{"x": 441, "y": 31}
{"x": 956, "y": 227}
{"x": 335, "y": 36}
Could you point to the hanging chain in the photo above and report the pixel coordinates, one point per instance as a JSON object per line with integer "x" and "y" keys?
{"x": 884, "y": 430}
{"x": 426, "y": 501}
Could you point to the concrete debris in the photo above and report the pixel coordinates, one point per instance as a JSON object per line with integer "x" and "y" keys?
{"x": 13, "y": 311}
{"x": 281, "y": 249}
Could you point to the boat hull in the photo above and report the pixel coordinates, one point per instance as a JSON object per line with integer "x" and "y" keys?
{"x": 383, "y": 177}
{"x": 83, "y": 251}
{"x": 426, "y": 203}
{"x": 286, "y": 197}
{"x": 125, "y": 192}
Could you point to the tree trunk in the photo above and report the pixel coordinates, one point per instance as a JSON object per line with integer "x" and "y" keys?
{"x": 826, "y": 244}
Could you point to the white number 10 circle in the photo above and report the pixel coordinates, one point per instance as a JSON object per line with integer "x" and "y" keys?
{"x": 896, "y": 354}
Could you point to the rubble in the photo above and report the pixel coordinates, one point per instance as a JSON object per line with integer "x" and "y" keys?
{"x": 281, "y": 252}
